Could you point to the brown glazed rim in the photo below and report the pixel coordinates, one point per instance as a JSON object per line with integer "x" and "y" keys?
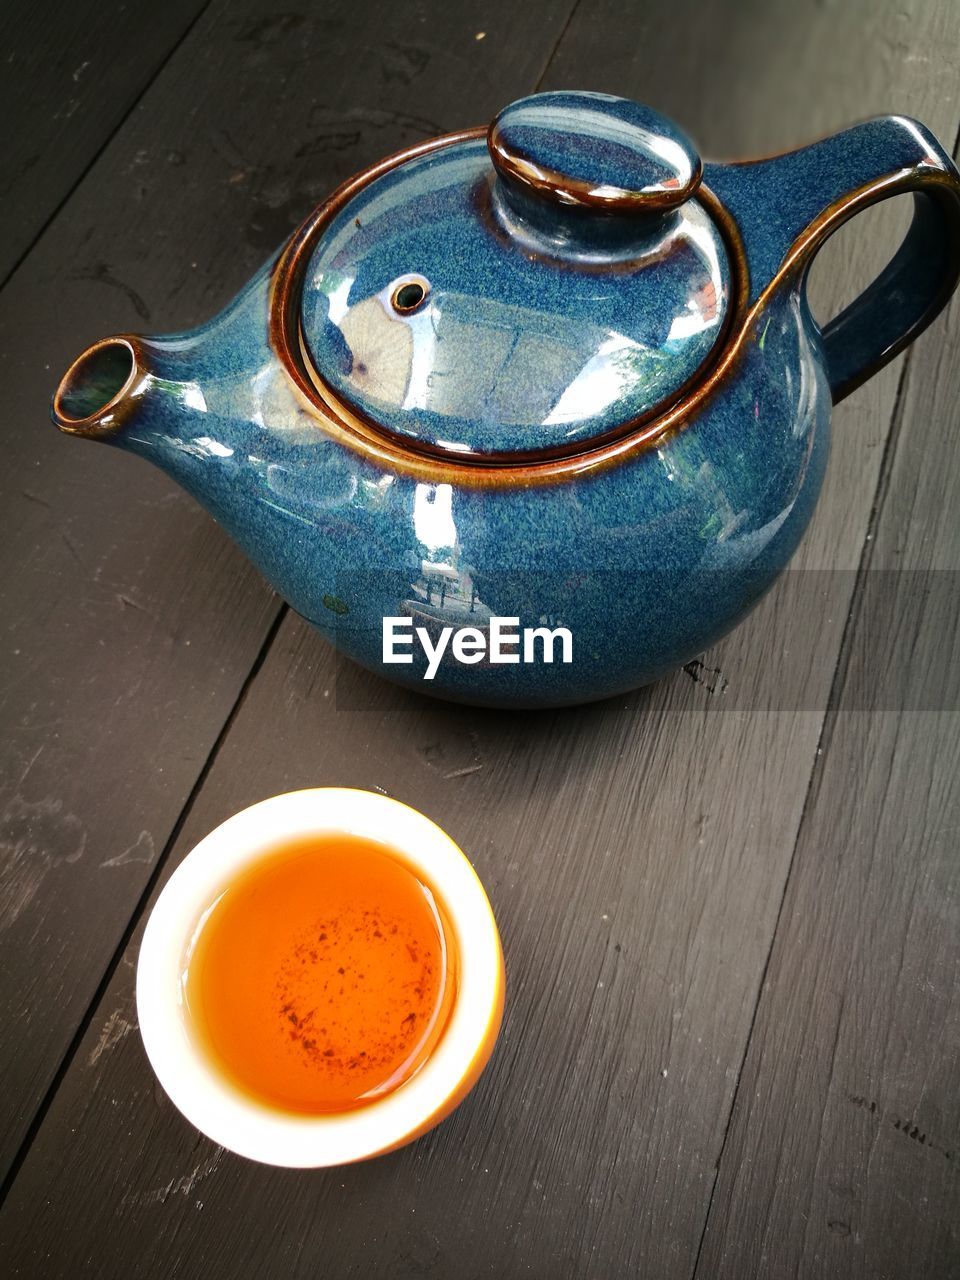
{"x": 426, "y": 461}
{"x": 109, "y": 417}
{"x": 399, "y": 453}
{"x": 573, "y": 191}
{"x": 333, "y": 400}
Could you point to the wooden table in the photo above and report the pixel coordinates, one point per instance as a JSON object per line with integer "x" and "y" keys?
{"x": 730, "y": 903}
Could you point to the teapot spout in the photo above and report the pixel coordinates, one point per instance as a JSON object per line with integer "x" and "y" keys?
{"x": 179, "y": 398}
{"x": 100, "y": 391}
{"x": 210, "y": 406}
{"x": 134, "y": 392}
{"x": 154, "y": 397}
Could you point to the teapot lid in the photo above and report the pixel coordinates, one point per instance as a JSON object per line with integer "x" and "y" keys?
{"x": 524, "y": 292}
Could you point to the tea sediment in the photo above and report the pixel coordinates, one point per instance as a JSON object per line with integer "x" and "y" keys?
{"x": 323, "y": 976}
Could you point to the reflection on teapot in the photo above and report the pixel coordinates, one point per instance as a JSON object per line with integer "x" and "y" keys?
{"x": 464, "y": 357}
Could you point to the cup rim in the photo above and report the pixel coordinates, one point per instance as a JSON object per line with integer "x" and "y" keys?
{"x": 255, "y": 1129}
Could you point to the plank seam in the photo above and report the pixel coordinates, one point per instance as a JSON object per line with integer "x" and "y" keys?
{"x": 556, "y": 46}
{"x": 40, "y": 1114}
{"x": 823, "y": 742}
{"x": 134, "y": 103}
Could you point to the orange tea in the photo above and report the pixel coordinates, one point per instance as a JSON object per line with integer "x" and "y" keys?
{"x": 323, "y": 976}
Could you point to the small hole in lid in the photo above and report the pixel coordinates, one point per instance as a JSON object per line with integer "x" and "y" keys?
{"x": 409, "y": 295}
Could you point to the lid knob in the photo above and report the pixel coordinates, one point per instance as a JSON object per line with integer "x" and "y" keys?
{"x": 594, "y": 151}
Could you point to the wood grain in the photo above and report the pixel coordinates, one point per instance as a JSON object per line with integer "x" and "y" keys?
{"x": 71, "y": 74}
{"x": 130, "y": 622}
{"x": 636, "y": 852}
{"x": 844, "y": 1150}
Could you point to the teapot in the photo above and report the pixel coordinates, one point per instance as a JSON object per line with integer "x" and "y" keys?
{"x": 531, "y": 415}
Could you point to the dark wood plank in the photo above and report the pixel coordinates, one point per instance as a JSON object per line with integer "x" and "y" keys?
{"x": 844, "y": 1151}
{"x": 130, "y": 623}
{"x": 71, "y": 74}
{"x": 636, "y": 854}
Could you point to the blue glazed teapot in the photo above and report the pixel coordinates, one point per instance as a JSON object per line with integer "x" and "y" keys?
{"x": 531, "y": 415}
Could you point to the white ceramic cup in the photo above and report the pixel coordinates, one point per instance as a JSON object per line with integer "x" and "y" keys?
{"x": 196, "y": 1085}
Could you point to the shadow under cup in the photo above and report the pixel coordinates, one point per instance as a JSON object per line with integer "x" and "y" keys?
{"x": 328, "y": 1108}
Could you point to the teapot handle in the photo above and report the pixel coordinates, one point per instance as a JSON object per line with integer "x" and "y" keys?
{"x": 787, "y": 207}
